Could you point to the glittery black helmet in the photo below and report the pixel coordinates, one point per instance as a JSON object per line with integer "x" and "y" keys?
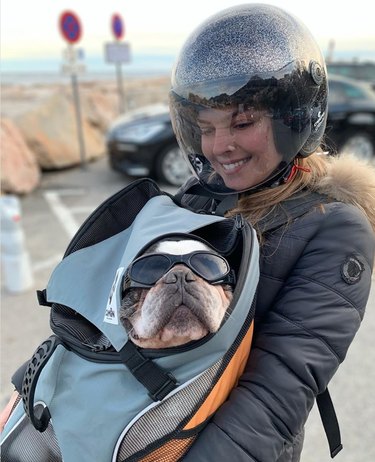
{"x": 251, "y": 57}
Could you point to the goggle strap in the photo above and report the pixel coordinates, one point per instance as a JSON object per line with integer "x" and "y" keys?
{"x": 126, "y": 283}
{"x": 230, "y": 279}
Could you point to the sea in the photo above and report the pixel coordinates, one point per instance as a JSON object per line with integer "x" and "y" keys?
{"x": 50, "y": 70}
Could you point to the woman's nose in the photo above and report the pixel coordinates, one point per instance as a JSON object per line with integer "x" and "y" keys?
{"x": 223, "y": 142}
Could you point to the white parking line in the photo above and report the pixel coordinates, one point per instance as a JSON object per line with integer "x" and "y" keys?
{"x": 84, "y": 210}
{"x": 62, "y": 213}
{"x": 65, "y": 216}
{"x": 45, "y": 264}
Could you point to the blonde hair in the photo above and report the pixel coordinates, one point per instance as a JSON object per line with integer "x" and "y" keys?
{"x": 310, "y": 170}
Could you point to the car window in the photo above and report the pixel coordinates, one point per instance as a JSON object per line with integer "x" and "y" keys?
{"x": 363, "y": 71}
{"x": 342, "y": 91}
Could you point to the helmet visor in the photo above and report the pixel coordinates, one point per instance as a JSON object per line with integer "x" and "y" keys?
{"x": 239, "y": 133}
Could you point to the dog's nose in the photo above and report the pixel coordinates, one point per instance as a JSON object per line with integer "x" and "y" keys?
{"x": 176, "y": 275}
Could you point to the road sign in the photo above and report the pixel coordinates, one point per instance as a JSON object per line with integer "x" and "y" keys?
{"x": 70, "y": 26}
{"x": 73, "y": 61}
{"x": 117, "y": 52}
{"x": 117, "y": 25}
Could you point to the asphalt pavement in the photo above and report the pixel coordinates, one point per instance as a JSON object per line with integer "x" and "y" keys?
{"x": 50, "y": 217}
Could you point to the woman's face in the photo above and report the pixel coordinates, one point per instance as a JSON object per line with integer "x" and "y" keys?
{"x": 239, "y": 145}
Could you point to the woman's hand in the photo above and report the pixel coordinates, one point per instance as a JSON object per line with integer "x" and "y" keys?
{"x": 5, "y": 413}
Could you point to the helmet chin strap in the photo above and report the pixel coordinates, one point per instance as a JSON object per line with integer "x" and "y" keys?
{"x": 285, "y": 175}
{"x": 278, "y": 177}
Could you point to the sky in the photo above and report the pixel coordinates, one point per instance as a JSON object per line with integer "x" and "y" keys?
{"x": 29, "y": 29}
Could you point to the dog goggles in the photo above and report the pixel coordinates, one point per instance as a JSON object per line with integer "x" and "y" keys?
{"x": 146, "y": 270}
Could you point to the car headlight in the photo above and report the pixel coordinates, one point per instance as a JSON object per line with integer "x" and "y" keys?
{"x": 140, "y": 133}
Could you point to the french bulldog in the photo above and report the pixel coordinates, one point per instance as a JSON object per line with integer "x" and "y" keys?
{"x": 181, "y": 306}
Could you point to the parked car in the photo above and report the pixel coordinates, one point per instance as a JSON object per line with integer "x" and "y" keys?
{"x": 142, "y": 143}
{"x": 351, "y": 118}
{"x": 364, "y": 71}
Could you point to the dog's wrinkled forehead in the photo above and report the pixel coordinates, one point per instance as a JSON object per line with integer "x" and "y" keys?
{"x": 178, "y": 247}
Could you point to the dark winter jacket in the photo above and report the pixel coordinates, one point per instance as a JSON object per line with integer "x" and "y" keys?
{"x": 314, "y": 286}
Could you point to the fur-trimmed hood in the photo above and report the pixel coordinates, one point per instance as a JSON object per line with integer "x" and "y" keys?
{"x": 352, "y": 181}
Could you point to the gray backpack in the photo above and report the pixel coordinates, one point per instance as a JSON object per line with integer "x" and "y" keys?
{"x": 89, "y": 394}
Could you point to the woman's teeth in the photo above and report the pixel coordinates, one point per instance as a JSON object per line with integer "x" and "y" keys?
{"x": 235, "y": 164}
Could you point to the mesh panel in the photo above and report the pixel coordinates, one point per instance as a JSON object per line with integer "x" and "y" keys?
{"x": 66, "y": 320}
{"x": 26, "y": 444}
{"x": 168, "y": 415}
{"x": 171, "y": 451}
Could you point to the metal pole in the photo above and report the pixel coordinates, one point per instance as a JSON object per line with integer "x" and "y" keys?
{"x": 120, "y": 88}
{"x": 79, "y": 120}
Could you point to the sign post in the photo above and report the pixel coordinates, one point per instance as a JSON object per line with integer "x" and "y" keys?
{"x": 70, "y": 28}
{"x": 118, "y": 52}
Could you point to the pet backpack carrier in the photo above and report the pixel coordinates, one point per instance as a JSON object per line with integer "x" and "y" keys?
{"x": 89, "y": 394}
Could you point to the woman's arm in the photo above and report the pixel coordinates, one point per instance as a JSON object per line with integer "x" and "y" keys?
{"x": 299, "y": 344}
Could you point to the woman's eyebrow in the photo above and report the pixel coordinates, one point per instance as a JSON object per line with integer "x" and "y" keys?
{"x": 209, "y": 122}
{"x": 202, "y": 121}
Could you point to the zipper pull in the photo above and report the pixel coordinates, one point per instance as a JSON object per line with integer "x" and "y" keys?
{"x": 239, "y": 221}
{"x": 96, "y": 348}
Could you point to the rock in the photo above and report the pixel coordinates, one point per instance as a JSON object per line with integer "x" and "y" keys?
{"x": 45, "y": 114}
{"x": 50, "y": 130}
{"x": 99, "y": 106}
{"x": 20, "y": 173}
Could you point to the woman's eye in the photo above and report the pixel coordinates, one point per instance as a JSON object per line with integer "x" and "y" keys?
{"x": 243, "y": 125}
{"x": 206, "y": 130}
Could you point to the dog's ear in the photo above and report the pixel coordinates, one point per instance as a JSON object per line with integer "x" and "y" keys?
{"x": 227, "y": 287}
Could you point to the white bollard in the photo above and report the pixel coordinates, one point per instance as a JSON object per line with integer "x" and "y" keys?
{"x": 15, "y": 260}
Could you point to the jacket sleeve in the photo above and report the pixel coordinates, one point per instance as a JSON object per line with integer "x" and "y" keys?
{"x": 299, "y": 343}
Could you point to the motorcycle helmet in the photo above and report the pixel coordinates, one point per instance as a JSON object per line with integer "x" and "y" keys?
{"x": 250, "y": 59}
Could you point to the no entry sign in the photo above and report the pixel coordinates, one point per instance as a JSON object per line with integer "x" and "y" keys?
{"x": 117, "y": 26}
{"x": 70, "y": 26}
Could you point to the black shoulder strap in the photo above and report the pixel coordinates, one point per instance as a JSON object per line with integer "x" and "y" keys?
{"x": 330, "y": 423}
{"x": 158, "y": 382}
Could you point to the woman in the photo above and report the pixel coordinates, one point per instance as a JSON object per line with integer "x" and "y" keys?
{"x": 249, "y": 109}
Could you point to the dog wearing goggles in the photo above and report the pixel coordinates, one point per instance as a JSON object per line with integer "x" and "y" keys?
{"x": 177, "y": 291}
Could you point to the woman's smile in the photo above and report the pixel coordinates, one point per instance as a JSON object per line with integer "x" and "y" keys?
{"x": 232, "y": 167}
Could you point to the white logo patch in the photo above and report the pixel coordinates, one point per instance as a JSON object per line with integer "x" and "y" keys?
{"x": 113, "y": 303}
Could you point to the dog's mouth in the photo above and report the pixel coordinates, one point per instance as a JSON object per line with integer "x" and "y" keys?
{"x": 184, "y": 324}
{"x": 171, "y": 317}
{"x": 179, "y": 324}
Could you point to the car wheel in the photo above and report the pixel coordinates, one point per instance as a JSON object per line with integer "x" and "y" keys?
{"x": 171, "y": 167}
{"x": 359, "y": 144}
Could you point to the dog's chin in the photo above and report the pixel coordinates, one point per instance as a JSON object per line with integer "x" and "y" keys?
{"x": 183, "y": 327}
